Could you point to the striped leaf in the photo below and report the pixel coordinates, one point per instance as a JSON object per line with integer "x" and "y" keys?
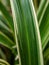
{"x": 25, "y": 22}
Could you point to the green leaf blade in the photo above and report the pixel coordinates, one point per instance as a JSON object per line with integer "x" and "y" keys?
{"x": 28, "y": 36}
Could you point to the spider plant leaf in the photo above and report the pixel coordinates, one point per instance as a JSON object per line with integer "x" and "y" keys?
{"x": 44, "y": 27}
{"x": 5, "y": 41}
{"x": 43, "y": 18}
{"x": 4, "y": 20}
{"x": 45, "y": 43}
{"x": 4, "y": 26}
{"x": 2, "y": 55}
{"x": 41, "y": 7}
{"x": 46, "y": 53}
{"x": 25, "y": 22}
{"x": 46, "y": 56}
{"x": 3, "y": 62}
{"x": 7, "y": 31}
{"x": 7, "y": 16}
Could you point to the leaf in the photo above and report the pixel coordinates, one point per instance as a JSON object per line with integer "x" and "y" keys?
{"x": 3, "y": 62}
{"x": 43, "y": 18}
{"x": 7, "y": 16}
{"x": 25, "y": 22}
{"x": 2, "y": 25}
{"x": 7, "y": 31}
{"x": 2, "y": 55}
{"x": 4, "y": 20}
{"x": 4, "y": 40}
{"x": 44, "y": 27}
{"x": 46, "y": 56}
{"x": 40, "y": 9}
{"x": 45, "y": 43}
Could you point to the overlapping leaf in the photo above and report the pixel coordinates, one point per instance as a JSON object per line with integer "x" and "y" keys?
{"x": 7, "y": 38}
{"x": 43, "y": 17}
{"x": 6, "y": 25}
{"x": 6, "y": 14}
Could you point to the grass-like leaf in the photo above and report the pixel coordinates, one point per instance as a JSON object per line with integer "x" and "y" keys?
{"x": 4, "y": 40}
{"x": 44, "y": 26}
{"x": 3, "y": 62}
{"x": 7, "y": 16}
{"x": 25, "y": 20}
{"x": 40, "y": 9}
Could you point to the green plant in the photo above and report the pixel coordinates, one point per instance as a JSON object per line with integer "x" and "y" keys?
{"x": 23, "y": 35}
